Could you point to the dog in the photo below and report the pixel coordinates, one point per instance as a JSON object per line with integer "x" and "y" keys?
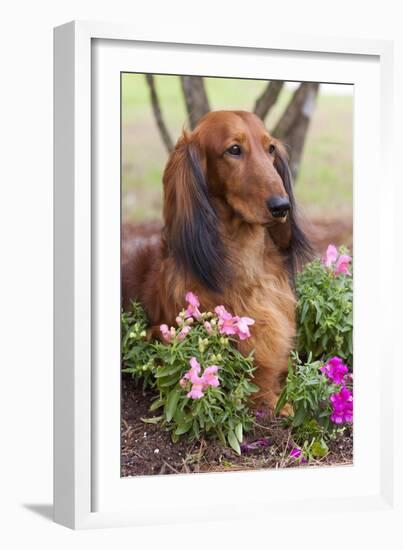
{"x": 231, "y": 235}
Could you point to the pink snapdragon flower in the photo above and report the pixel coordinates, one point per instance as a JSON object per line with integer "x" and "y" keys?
{"x": 210, "y": 377}
{"x": 226, "y": 322}
{"x": 168, "y": 334}
{"x": 229, "y": 324}
{"x": 183, "y": 332}
{"x": 193, "y": 306}
{"x": 242, "y": 327}
{"x": 335, "y": 370}
{"x": 342, "y": 264}
{"x": 330, "y": 256}
{"x": 342, "y": 405}
{"x": 207, "y": 325}
{"x": 199, "y": 383}
{"x": 339, "y": 263}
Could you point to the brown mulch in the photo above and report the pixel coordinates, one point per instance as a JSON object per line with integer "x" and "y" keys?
{"x": 147, "y": 449}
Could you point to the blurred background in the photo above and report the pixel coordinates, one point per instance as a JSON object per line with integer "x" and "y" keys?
{"x": 315, "y": 121}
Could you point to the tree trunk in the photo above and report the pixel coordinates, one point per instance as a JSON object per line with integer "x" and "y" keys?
{"x": 268, "y": 98}
{"x": 166, "y": 138}
{"x": 292, "y": 127}
{"x": 196, "y": 99}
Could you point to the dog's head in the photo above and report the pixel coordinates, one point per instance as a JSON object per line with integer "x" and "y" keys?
{"x": 229, "y": 159}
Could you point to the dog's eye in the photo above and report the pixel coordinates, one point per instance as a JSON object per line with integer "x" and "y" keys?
{"x": 272, "y": 148}
{"x": 234, "y": 150}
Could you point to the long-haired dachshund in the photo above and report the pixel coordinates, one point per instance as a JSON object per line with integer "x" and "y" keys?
{"x": 231, "y": 235}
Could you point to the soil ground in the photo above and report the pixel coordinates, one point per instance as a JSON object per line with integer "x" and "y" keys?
{"x": 147, "y": 449}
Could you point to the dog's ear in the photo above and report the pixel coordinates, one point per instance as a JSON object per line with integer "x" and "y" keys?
{"x": 191, "y": 229}
{"x": 289, "y": 236}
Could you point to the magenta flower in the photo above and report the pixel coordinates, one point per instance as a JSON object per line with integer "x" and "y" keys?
{"x": 295, "y": 452}
{"x": 330, "y": 256}
{"x": 193, "y": 306}
{"x": 342, "y": 265}
{"x": 342, "y": 406}
{"x": 335, "y": 370}
{"x": 199, "y": 383}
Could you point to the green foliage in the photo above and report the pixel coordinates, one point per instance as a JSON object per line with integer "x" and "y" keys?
{"x": 138, "y": 357}
{"x": 308, "y": 391}
{"x": 324, "y": 313}
{"x": 223, "y": 411}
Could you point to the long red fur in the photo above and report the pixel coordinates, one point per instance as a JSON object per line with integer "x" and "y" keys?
{"x": 256, "y": 279}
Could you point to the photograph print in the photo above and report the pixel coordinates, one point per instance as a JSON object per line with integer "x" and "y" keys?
{"x": 236, "y": 274}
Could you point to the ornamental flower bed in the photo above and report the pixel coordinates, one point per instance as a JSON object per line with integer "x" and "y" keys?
{"x": 325, "y": 307}
{"x": 203, "y": 387}
{"x": 203, "y": 384}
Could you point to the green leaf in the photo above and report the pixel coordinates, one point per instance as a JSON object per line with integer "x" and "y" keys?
{"x": 304, "y": 311}
{"x": 239, "y": 432}
{"x": 183, "y": 428}
{"x": 281, "y": 401}
{"x": 299, "y": 416}
{"x": 167, "y": 371}
{"x": 172, "y": 402}
{"x": 233, "y": 441}
{"x": 221, "y": 436}
{"x": 319, "y": 449}
{"x": 156, "y": 404}
{"x": 153, "y": 420}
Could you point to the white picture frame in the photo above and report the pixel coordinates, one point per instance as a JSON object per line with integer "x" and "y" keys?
{"x": 88, "y": 491}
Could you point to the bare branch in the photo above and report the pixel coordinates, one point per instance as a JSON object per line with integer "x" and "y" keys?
{"x": 293, "y": 125}
{"x": 166, "y": 138}
{"x": 268, "y": 98}
{"x": 196, "y": 98}
{"x": 300, "y": 101}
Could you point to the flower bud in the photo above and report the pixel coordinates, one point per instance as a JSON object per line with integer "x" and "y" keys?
{"x": 143, "y": 334}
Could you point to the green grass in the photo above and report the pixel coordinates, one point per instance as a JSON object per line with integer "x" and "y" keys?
{"x": 324, "y": 186}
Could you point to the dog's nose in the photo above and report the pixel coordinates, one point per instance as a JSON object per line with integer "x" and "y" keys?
{"x": 278, "y": 206}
